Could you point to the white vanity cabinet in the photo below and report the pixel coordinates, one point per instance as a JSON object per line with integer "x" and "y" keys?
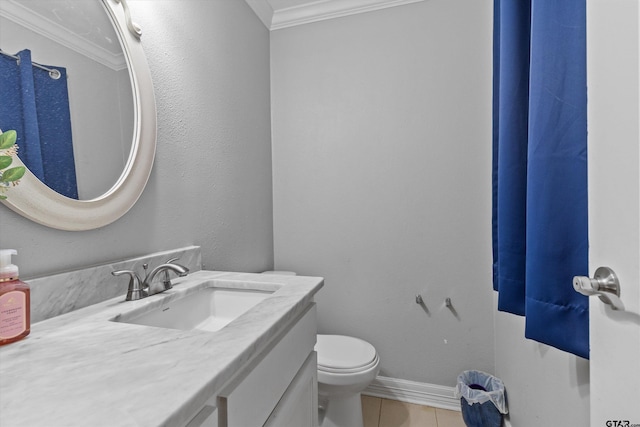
{"x": 259, "y": 369}
{"x": 276, "y": 388}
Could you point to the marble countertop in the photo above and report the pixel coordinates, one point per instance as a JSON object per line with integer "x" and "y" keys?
{"x": 81, "y": 369}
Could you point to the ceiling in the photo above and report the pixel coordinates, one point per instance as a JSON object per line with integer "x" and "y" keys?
{"x": 81, "y": 26}
{"x": 276, "y": 14}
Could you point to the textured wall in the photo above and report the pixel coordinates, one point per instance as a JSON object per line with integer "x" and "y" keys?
{"x": 211, "y": 182}
{"x": 382, "y": 179}
{"x": 382, "y": 145}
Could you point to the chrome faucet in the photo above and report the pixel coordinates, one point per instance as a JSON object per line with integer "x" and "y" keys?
{"x": 180, "y": 270}
{"x": 139, "y": 289}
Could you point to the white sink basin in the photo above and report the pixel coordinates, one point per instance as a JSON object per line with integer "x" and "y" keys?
{"x": 208, "y": 309}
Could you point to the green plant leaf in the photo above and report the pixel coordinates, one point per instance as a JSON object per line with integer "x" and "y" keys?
{"x": 5, "y": 161}
{"x": 3, "y": 197}
{"x": 7, "y": 139}
{"x": 13, "y": 174}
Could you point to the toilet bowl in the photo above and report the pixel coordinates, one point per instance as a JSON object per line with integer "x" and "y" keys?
{"x": 346, "y": 366}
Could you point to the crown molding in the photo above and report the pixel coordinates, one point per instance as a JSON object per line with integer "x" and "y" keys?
{"x": 318, "y": 10}
{"x": 51, "y": 30}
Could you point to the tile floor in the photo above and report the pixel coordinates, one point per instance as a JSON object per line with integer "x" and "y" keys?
{"x": 379, "y": 412}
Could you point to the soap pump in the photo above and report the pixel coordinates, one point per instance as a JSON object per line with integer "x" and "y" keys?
{"x": 15, "y": 313}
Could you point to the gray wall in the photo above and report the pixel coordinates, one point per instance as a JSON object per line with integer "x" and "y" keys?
{"x": 211, "y": 182}
{"x": 381, "y": 153}
{"x": 381, "y": 127}
{"x": 382, "y": 179}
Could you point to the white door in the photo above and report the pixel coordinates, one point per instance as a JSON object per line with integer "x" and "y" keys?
{"x": 613, "y": 76}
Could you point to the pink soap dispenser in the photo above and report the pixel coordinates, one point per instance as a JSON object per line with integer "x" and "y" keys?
{"x": 15, "y": 313}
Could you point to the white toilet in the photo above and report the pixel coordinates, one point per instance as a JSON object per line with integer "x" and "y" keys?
{"x": 346, "y": 366}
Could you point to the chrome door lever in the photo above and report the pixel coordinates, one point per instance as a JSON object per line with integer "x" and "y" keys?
{"x": 604, "y": 284}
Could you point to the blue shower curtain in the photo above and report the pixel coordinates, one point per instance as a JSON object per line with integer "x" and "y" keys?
{"x": 36, "y": 106}
{"x": 540, "y": 168}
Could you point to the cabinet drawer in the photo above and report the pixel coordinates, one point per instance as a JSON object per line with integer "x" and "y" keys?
{"x": 207, "y": 417}
{"x": 250, "y": 399}
{"x": 298, "y": 407}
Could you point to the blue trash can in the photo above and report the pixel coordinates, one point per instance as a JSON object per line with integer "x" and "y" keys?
{"x": 482, "y": 399}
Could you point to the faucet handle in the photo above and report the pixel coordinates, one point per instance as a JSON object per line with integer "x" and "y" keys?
{"x": 135, "y": 290}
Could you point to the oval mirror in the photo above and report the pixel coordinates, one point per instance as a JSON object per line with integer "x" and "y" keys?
{"x": 106, "y": 193}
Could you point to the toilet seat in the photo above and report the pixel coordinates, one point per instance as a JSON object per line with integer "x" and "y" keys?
{"x": 348, "y": 371}
{"x": 343, "y": 355}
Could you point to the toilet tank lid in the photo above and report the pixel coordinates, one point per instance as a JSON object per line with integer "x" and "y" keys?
{"x": 343, "y": 352}
{"x": 280, "y": 272}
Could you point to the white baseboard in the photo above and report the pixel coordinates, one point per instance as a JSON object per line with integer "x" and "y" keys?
{"x": 413, "y": 392}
